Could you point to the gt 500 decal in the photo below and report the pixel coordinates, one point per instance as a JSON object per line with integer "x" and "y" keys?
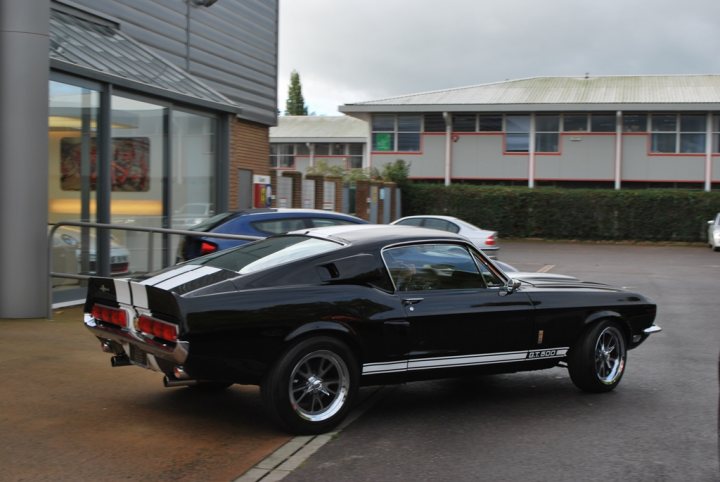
{"x": 553, "y": 352}
{"x": 460, "y": 361}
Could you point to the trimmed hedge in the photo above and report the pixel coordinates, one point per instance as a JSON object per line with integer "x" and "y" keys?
{"x": 554, "y": 213}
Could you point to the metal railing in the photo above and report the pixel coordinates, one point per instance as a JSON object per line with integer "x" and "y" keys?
{"x": 122, "y": 227}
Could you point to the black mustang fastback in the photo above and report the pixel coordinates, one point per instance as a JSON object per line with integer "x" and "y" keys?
{"x": 310, "y": 317}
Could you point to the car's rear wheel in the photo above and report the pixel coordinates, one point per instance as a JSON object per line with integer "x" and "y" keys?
{"x": 311, "y": 387}
{"x": 597, "y": 360}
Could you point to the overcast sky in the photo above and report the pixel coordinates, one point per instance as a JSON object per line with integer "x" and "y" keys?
{"x": 350, "y": 51}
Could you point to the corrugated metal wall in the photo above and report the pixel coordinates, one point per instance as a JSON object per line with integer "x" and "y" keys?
{"x": 232, "y": 45}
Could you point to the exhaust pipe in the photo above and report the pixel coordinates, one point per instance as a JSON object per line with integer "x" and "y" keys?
{"x": 120, "y": 361}
{"x": 174, "y": 382}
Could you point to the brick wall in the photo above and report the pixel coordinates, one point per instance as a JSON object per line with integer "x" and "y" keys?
{"x": 249, "y": 149}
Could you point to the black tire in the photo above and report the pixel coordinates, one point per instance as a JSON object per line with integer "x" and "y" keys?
{"x": 597, "y": 360}
{"x": 310, "y": 389}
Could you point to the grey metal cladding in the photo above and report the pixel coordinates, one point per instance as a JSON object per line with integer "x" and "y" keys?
{"x": 232, "y": 44}
{"x": 102, "y": 50}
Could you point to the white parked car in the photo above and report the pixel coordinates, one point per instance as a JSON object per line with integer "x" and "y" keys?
{"x": 68, "y": 240}
{"x": 714, "y": 233}
{"x": 482, "y": 238}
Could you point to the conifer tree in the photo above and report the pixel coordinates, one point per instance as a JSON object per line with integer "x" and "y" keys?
{"x": 295, "y": 104}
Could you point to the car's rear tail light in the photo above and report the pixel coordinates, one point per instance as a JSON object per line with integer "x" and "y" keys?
{"x": 207, "y": 248}
{"x": 157, "y": 328}
{"x": 490, "y": 241}
{"x": 113, "y": 316}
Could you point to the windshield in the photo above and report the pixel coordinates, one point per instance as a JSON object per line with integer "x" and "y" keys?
{"x": 268, "y": 253}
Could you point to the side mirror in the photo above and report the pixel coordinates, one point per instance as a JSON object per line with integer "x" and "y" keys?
{"x": 510, "y": 287}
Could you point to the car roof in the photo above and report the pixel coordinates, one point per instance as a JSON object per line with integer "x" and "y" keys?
{"x": 386, "y": 233}
{"x": 256, "y": 211}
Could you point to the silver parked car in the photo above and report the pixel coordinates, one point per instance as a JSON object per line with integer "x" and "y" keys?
{"x": 714, "y": 233}
{"x": 482, "y": 238}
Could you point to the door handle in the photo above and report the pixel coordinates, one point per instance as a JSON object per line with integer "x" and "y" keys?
{"x": 411, "y": 301}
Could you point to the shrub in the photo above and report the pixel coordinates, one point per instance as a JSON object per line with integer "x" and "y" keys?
{"x": 589, "y": 214}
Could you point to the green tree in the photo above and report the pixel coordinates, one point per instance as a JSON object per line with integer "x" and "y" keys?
{"x": 295, "y": 104}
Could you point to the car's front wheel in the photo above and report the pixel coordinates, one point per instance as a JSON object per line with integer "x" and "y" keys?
{"x": 597, "y": 360}
{"x": 311, "y": 387}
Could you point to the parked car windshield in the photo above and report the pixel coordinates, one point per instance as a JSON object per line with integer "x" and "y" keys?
{"x": 268, "y": 253}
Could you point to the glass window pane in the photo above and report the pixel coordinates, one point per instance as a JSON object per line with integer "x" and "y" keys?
{"x": 489, "y": 123}
{"x": 546, "y": 142}
{"x": 663, "y": 122}
{"x": 634, "y": 122}
{"x": 716, "y": 143}
{"x": 602, "y": 123}
{"x": 72, "y": 174}
{"x": 692, "y": 123}
{"x": 434, "y": 122}
{"x": 408, "y": 142}
{"x": 547, "y": 123}
{"x": 463, "y": 122}
{"x": 302, "y": 149}
{"x": 663, "y": 143}
{"x": 575, "y": 123}
{"x": 517, "y": 142}
{"x": 338, "y": 149}
{"x": 193, "y": 166}
{"x": 517, "y": 123}
{"x": 383, "y": 122}
{"x": 322, "y": 149}
{"x": 409, "y": 123}
{"x": 692, "y": 143}
{"x": 355, "y": 149}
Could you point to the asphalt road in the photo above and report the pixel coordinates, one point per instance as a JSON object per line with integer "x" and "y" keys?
{"x": 660, "y": 424}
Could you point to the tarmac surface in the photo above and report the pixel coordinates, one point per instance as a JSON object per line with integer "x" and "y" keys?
{"x": 66, "y": 415}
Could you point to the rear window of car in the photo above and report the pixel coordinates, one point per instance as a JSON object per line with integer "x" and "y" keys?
{"x": 268, "y": 253}
{"x": 279, "y": 226}
{"x": 212, "y": 222}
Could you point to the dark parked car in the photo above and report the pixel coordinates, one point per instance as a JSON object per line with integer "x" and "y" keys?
{"x": 311, "y": 316}
{"x": 256, "y": 222}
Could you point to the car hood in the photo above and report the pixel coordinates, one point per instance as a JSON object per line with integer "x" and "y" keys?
{"x": 560, "y": 282}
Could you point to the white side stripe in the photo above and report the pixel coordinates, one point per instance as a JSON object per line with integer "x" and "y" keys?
{"x": 462, "y": 360}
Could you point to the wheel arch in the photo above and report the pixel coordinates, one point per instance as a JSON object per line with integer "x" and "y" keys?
{"x": 332, "y": 329}
{"x": 610, "y": 315}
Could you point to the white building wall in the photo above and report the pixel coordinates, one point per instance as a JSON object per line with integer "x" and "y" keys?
{"x": 639, "y": 165}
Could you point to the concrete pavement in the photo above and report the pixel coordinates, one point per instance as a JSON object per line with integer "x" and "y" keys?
{"x": 65, "y": 414}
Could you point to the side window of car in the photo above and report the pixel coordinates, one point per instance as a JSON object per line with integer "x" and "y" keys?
{"x": 425, "y": 267}
{"x": 492, "y": 280}
{"x": 411, "y": 222}
{"x": 441, "y": 224}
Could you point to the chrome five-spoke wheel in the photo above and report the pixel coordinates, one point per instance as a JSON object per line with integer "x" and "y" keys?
{"x": 311, "y": 387}
{"x": 319, "y": 385}
{"x": 609, "y": 355}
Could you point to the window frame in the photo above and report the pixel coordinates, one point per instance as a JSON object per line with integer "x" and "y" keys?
{"x": 398, "y": 134}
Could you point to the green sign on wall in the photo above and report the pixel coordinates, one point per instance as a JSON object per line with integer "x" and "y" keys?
{"x": 382, "y": 141}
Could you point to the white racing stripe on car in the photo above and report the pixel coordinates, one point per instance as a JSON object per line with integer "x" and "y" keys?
{"x": 462, "y": 360}
{"x": 388, "y": 367}
{"x": 139, "y": 293}
{"x": 187, "y": 277}
{"x": 122, "y": 291}
{"x": 170, "y": 274}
